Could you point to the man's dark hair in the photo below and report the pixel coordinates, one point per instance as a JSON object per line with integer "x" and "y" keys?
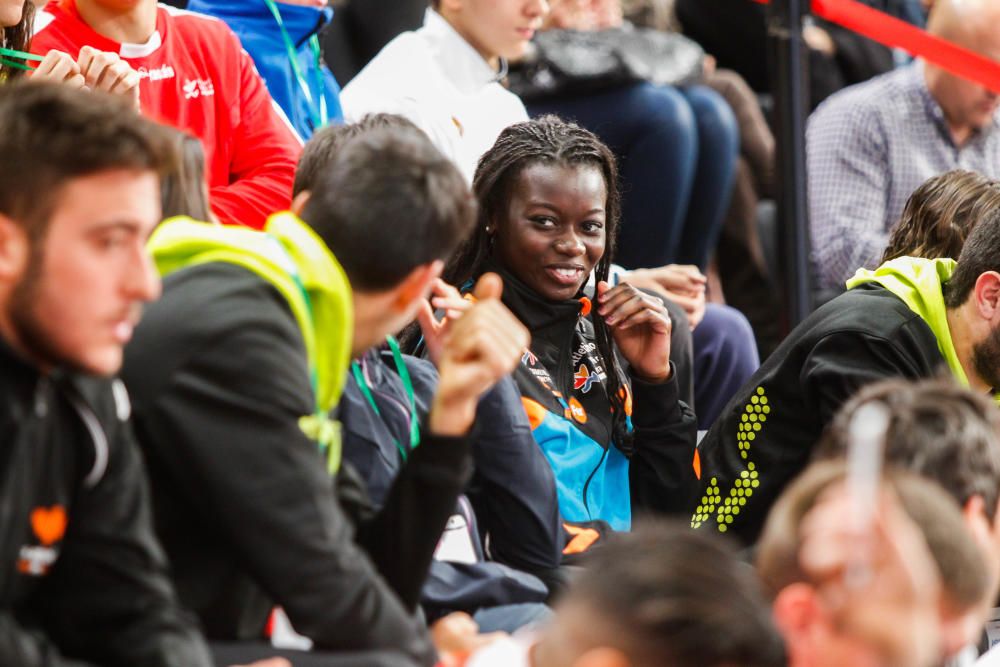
{"x": 980, "y": 254}
{"x": 937, "y": 429}
{"x": 52, "y": 134}
{"x": 325, "y": 143}
{"x": 387, "y": 203}
{"x": 665, "y": 595}
{"x": 940, "y": 214}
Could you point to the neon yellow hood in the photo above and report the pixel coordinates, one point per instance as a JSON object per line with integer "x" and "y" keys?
{"x": 289, "y": 256}
{"x": 918, "y": 283}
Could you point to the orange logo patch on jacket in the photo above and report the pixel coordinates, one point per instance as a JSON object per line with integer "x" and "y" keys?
{"x": 49, "y": 524}
{"x": 576, "y": 412}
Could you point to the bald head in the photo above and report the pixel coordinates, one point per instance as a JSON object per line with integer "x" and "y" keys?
{"x": 975, "y": 25}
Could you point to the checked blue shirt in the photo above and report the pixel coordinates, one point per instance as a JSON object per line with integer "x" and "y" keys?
{"x": 868, "y": 147}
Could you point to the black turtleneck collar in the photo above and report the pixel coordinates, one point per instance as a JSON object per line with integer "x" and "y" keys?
{"x": 535, "y": 311}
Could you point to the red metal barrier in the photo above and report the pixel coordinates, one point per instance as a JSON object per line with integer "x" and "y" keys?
{"x": 894, "y": 33}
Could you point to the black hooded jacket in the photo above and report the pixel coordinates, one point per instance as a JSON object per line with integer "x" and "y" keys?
{"x": 82, "y": 577}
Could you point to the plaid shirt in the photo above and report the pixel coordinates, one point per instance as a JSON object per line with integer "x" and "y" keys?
{"x": 868, "y": 148}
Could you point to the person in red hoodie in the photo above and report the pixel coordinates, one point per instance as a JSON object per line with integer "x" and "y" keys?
{"x": 196, "y": 77}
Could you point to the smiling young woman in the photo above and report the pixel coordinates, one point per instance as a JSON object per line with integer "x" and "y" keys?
{"x": 596, "y": 382}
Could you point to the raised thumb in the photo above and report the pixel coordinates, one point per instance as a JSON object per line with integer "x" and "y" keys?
{"x": 489, "y": 286}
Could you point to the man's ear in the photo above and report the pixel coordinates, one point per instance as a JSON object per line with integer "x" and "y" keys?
{"x": 603, "y": 657}
{"x": 796, "y": 611}
{"x": 15, "y": 249}
{"x": 987, "y": 292}
{"x": 299, "y": 202}
{"x": 417, "y": 285}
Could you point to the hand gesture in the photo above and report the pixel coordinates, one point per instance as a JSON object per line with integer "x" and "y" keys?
{"x": 640, "y": 326}
{"x": 456, "y": 635}
{"x": 58, "y": 67}
{"x": 476, "y": 351}
{"x": 682, "y": 284}
{"x": 443, "y": 297}
{"x": 104, "y": 70}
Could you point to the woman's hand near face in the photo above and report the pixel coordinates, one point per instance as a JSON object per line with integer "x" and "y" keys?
{"x": 682, "y": 284}
{"x": 641, "y": 328}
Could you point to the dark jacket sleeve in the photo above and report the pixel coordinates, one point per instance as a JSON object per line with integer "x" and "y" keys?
{"x": 661, "y": 470}
{"x": 513, "y": 489}
{"x": 840, "y": 364}
{"x": 228, "y": 419}
{"x": 402, "y": 537}
{"x": 804, "y": 393}
{"x": 109, "y": 596}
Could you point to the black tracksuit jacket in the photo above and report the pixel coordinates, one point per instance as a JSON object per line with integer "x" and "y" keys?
{"x": 82, "y": 578}
{"x": 244, "y": 505}
{"x": 766, "y": 434}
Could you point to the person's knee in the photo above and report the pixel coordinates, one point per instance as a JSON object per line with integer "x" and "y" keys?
{"x": 662, "y": 109}
{"x": 713, "y": 114}
{"x": 732, "y": 332}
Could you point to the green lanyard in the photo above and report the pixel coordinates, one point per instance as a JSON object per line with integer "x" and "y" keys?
{"x": 404, "y": 375}
{"x": 320, "y": 118}
{"x": 6, "y": 56}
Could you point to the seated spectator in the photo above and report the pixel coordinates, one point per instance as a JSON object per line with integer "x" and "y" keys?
{"x": 618, "y": 439}
{"x": 659, "y": 596}
{"x": 952, "y": 436}
{"x": 231, "y": 403}
{"x": 939, "y": 215}
{"x": 910, "y": 318}
{"x": 83, "y": 577}
{"x": 445, "y": 77}
{"x": 511, "y": 499}
{"x": 676, "y": 146}
{"x": 870, "y": 146}
{"x": 196, "y": 77}
{"x": 449, "y": 89}
{"x": 282, "y": 37}
{"x": 839, "y": 604}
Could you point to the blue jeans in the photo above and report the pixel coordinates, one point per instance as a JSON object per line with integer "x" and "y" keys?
{"x": 677, "y": 152}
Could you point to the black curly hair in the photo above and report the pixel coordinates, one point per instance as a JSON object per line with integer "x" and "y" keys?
{"x": 546, "y": 140}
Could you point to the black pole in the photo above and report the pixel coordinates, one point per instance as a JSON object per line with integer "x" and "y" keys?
{"x": 789, "y": 80}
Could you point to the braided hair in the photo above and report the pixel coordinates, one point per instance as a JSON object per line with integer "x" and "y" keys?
{"x": 546, "y": 140}
{"x": 17, "y": 37}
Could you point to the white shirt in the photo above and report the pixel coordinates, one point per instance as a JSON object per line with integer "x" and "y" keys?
{"x": 439, "y": 81}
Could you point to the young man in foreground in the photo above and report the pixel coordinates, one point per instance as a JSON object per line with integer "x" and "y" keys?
{"x": 82, "y": 577}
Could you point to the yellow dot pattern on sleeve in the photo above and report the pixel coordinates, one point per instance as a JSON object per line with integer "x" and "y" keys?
{"x": 712, "y": 504}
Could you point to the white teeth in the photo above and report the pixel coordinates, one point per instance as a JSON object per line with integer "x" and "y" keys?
{"x": 567, "y": 273}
